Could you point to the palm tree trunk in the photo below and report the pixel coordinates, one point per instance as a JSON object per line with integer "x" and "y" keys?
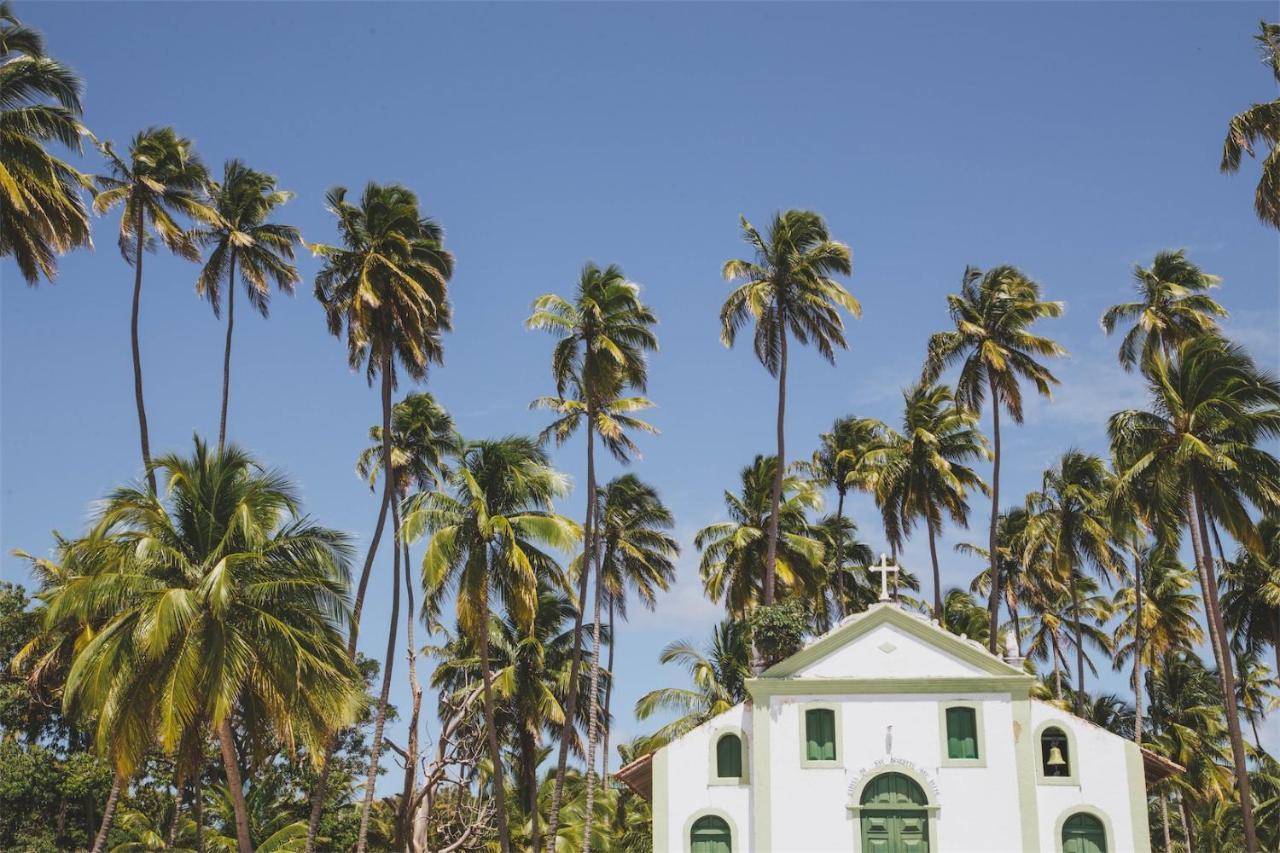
{"x": 840, "y": 607}
{"x": 1164, "y": 819}
{"x": 593, "y": 710}
{"x": 1188, "y": 837}
{"x": 937, "y": 577}
{"x": 226, "y": 352}
{"x": 235, "y": 785}
{"x": 143, "y": 435}
{"x": 1226, "y": 669}
{"x": 608, "y": 698}
{"x": 571, "y": 697}
{"x": 109, "y": 813}
{"x": 321, "y": 788}
{"x": 1137, "y": 652}
{"x": 491, "y": 730}
{"x": 199, "y": 804}
{"x": 415, "y": 690}
{"x": 775, "y": 499}
{"x": 179, "y": 783}
{"x": 1079, "y": 631}
{"x": 528, "y": 793}
{"x": 380, "y": 717}
{"x": 993, "y": 606}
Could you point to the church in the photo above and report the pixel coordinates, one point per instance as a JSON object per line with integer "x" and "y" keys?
{"x": 889, "y": 734}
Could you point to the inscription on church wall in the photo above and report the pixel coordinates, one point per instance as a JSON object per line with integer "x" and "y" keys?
{"x": 882, "y": 765}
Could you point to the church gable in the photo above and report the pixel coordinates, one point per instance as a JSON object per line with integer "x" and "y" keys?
{"x": 888, "y": 642}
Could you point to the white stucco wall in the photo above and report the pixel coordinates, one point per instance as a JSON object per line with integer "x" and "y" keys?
{"x": 887, "y": 652}
{"x": 689, "y": 789}
{"x": 1102, "y": 771}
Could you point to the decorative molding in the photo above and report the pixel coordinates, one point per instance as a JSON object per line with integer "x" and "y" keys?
{"x": 713, "y": 768}
{"x": 980, "y": 733}
{"x": 686, "y": 841}
{"x": 1018, "y": 686}
{"x": 1094, "y": 812}
{"x": 807, "y": 762}
{"x": 1138, "y": 797}
{"x": 761, "y": 805}
{"x": 661, "y": 803}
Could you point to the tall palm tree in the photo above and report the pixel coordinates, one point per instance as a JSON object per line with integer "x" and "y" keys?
{"x": 719, "y": 675}
{"x": 733, "y": 564}
{"x": 487, "y": 537}
{"x": 1256, "y": 695}
{"x": 1251, "y": 598}
{"x": 637, "y": 552}
{"x": 42, "y": 212}
{"x": 161, "y": 177}
{"x": 787, "y": 289}
{"x": 605, "y": 332}
{"x": 222, "y": 600}
{"x": 1194, "y": 456}
{"x": 847, "y": 458}
{"x": 1019, "y": 560}
{"x": 423, "y": 437}
{"x": 387, "y": 285}
{"x": 992, "y": 341}
{"x": 926, "y": 470}
{"x": 244, "y": 200}
{"x": 1157, "y": 619}
{"x": 845, "y": 584}
{"x": 1173, "y": 306}
{"x": 1260, "y": 123}
{"x": 962, "y": 615}
{"x": 1069, "y": 514}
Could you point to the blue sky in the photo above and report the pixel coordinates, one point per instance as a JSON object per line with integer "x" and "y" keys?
{"x": 1070, "y": 139}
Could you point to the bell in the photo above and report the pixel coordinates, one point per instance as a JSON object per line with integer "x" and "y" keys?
{"x": 1055, "y": 757}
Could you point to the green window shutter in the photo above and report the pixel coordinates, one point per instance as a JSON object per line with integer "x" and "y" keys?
{"x": 710, "y": 834}
{"x": 729, "y": 757}
{"x": 1083, "y": 833}
{"x": 820, "y": 734}
{"x": 962, "y": 733}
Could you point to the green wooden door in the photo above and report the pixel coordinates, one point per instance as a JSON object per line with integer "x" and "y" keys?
{"x": 710, "y": 834}
{"x": 894, "y": 819}
{"x": 1083, "y": 833}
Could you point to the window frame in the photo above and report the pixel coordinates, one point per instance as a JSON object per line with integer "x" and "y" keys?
{"x": 1073, "y": 754}
{"x": 980, "y": 737}
{"x": 1108, "y": 832}
{"x": 820, "y": 763}
{"x": 686, "y": 838}
{"x": 713, "y": 773}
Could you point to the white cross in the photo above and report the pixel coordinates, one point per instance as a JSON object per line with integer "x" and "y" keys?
{"x": 884, "y": 569}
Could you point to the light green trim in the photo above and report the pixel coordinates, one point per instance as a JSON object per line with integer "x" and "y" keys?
{"x": 980, "y": 734}
{"x": 807, "y": 762}
{"x": 1089, "y": 810}
{"x": 735, "y": 845}
{"x": 714, "y": 764}
{"x": 761, "y": 807}
{"x": 882, "y": 614}
{"x": 1026, "y": 759}
{"x": 1138, "y": 797}
{"x": 1073, "y": 755}
{"x": 1017, "y": 686}
{"x": 855, "y": 806}
{"x": 661, "y": 803}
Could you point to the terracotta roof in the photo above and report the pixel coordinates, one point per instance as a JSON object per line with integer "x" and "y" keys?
{"x": 1157, "y": 768}
{"x": 638, "y": 776}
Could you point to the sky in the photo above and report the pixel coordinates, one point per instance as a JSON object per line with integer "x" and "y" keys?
{"x": 1070, "y": 139}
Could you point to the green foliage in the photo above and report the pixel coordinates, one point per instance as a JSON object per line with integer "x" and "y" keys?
{"x": 777, "y": 630}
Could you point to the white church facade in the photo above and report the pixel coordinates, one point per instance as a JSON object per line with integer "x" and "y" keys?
{"x": 891, "y": 735}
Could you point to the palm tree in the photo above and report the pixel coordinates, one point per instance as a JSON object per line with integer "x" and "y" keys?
{"x": 1173, "y": 306}
{"x": 1019, "y": 559}
{"x": 244, "y": 200}
{"x": 486, "y": 538}
{"x": 1157, "y": 619}
{"x": 993, "y": 315}
{"x": 847, "y": 458}
{"x": 162, "y": 177}
{"x": 387, "y": 284}
{"x": 1256, "y": 695}
{"x": 962, "y": 615}
{"x": 1069, "y": 515}
{"x": 422, "y": 438}
{"x": 1251, "y": 598}
{"x": 42, "y": 214}
{"x": 719, "y": 677}
{"x": 926, "y": 474}
{"x": 220, "y": 599}
{"x": 1261, "y": 122}
{"x": 604, "y": 334}
{"x": 733, "y": 564}
{"x": 787, "y": 289}
{"x": 1193, "y": 456}
{"x": 637, "y": 552}
{"x": 845, "y": 586}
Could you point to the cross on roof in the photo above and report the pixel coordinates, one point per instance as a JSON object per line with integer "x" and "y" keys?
{"x": 885, "y": 569}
